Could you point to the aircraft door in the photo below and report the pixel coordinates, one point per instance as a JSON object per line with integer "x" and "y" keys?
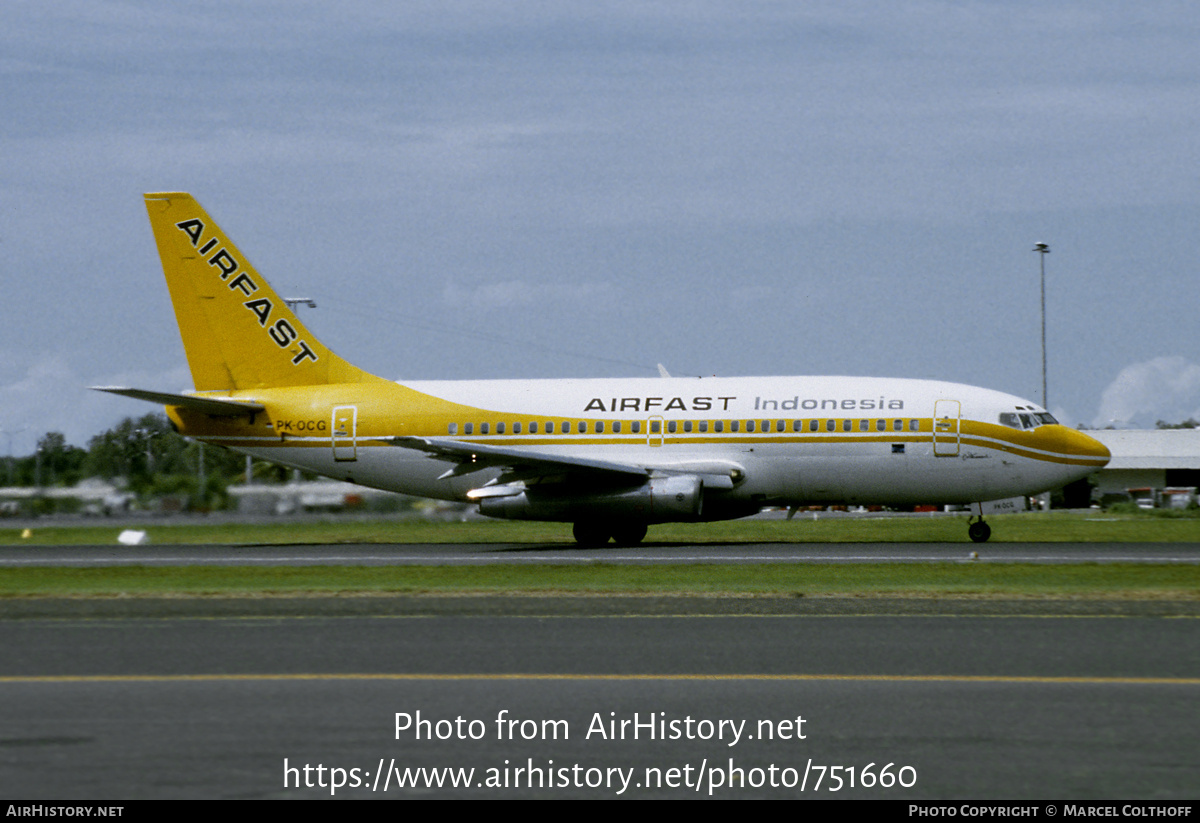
{"x": 946, "y": 415}
{"x": 344, "y": 435}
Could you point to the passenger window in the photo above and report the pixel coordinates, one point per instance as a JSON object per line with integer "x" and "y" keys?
{"x": 533, "y": 428}
{"x": 469, "y": 428}
{"x": 719, "y": 426}
{"x": 565, "y": 428}
{"x": 499, "y": 428}
{"x": 636, "y": 426}
{"x": 880, "y": 425}
{"x": 516, "y": 428}
{"x": 671, "y": 427}
{"x": 703, "y": 426}
{"x": 766, "y": 426}
{"x": 914, "y": 425}
{"x": 847, "y": 425}
{"x": 749, "y": 425}
{"x": 655, "y": 426}
{"x": 453, "y": 428}
{"x": 484, "y": 428}
{"x": 779, "y": 425}
{"x": 599, "y": 427}
{"x": 814, "y": 425}
{"x": 582, "y": 427}
{"x": 616, "y": 427}
{"x": 734, "y": 426}
{"x": 687, "y": 426}
{"x": 830, "y": 425}
{"x": 898, "y": 425}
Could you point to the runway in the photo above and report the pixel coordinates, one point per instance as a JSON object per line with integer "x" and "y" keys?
{"x": 569, "y": 553}
{"x": 600, "y": 697}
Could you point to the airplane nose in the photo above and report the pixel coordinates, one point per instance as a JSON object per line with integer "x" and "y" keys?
{"x": 1086, "y": 451}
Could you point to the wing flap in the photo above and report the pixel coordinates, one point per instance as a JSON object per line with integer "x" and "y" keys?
{"x": 472, "y": 457}
{"x": 519, "y": 465}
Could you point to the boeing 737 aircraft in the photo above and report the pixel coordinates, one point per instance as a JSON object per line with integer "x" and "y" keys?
{"x": 610, "y": 456}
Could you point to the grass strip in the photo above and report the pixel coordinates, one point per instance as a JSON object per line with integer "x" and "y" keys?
{"x": 779, "y": 579}
{"x": 1014, "y": 528}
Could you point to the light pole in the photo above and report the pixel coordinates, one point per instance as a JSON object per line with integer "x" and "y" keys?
{"x": 1043, "y": 249}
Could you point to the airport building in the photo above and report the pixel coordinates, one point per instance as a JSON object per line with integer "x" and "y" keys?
{"x": 1155, "y": 467}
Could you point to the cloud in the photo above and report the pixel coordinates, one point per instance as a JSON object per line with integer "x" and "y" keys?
{"x": 513, "y": 294}
{"x": 1165, "y": 388}
{"x": 51, "y": 395}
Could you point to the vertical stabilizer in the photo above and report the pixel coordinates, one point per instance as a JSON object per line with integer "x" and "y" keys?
{"x": 237, "y": 332}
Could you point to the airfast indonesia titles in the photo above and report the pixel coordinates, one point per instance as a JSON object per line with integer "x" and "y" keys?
{"x": 724, "y": 404}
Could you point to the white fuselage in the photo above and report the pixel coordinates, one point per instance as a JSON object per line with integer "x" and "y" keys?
{"x": 785, "y": 441}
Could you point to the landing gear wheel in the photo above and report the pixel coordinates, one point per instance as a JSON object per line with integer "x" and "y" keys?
{"x": 629, "y": 534}
{"x": 979, "y": 531}
{"x": 590, "y": 535}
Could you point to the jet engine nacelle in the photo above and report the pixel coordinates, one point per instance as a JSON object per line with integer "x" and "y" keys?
{"x": 658, "y": 500}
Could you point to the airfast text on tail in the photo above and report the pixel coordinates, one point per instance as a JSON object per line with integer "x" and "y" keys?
{"x": 237, "y": 332}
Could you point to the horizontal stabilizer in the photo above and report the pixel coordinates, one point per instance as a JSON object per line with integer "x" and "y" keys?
{"x": 216, "y": 406}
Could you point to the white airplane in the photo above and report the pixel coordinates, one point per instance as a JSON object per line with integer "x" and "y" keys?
{"x": 610, "y": 456}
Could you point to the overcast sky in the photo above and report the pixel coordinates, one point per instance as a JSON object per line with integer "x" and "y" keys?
{"x": 508, "y": 189}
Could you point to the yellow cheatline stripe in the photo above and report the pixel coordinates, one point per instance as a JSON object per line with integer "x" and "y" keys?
{"x": 373, "y": 441}
{"x": 799, "y": 678}
{"x": 1045, "y": 456}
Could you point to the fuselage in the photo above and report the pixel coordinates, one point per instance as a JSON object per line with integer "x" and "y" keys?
{"x": 781, "y": 440}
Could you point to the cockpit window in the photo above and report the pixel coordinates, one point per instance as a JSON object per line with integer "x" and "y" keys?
{"x": 1026, "y": 420}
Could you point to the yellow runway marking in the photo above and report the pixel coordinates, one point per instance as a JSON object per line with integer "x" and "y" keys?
{"x": 797, "y": 678}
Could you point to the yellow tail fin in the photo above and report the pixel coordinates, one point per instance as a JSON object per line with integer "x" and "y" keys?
{"x": 237, "y": 332}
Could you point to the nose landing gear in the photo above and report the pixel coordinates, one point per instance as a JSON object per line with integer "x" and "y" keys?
{"x": 978, "y": 531}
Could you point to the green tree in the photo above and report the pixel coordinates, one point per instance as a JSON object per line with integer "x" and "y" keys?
{"x": 156, "y": 460}
{"x": 1190, "y": 423}
{"x": 53, "y": 463}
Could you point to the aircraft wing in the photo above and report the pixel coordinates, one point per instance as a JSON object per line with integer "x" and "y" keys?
{"x": 518, "y": 464}
{"x": 524, "y": 464}
{"x": 216, "y": 406}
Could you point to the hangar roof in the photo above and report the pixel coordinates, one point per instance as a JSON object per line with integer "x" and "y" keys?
{"x": 1151, "y": 448}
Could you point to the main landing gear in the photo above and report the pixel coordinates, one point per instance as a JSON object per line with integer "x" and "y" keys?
{"x": 593, "y": 534}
